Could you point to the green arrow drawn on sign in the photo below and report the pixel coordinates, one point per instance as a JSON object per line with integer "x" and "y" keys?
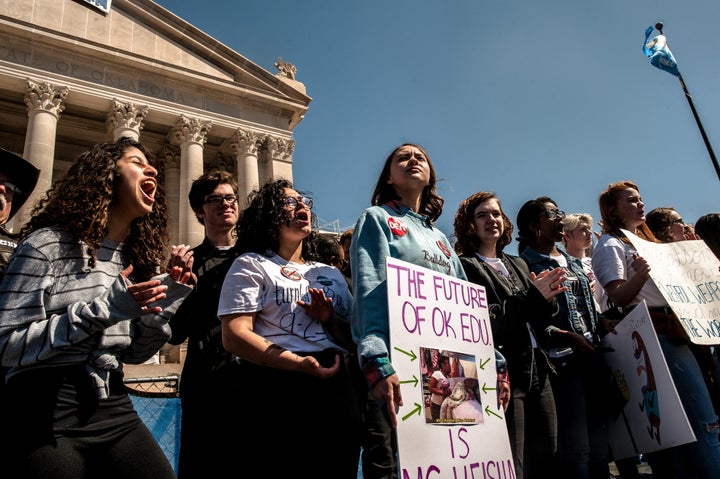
{"x": 416, "y": 410}
{"x": 490, "y": 411}
{"x": 485, "y": 389}
{"x": 413, "y": 380}
{"x": 482, "y": 365}
{"x": 411, "y": 354}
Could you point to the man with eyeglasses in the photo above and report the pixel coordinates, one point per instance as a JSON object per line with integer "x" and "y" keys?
{"x": 205, "y": 383}
{"x": 18, "y": 178}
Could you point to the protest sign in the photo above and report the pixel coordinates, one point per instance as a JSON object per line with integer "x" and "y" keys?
{"x": 687, "y": 273}
{"x": 653, "y": 417}
{"x": 433, "y": 315}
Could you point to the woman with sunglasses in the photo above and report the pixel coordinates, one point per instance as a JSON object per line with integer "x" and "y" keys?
{"x": 572, "y": 338}
{"x": 282, "y": 315}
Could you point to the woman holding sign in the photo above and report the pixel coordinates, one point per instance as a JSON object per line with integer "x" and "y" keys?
{"x": 399, "y": 225}
{"x": 626, "y": 278}
{"x": 518, "y": 301}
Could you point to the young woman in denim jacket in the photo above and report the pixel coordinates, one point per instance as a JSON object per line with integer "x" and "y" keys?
{"x": 579, "y": 387}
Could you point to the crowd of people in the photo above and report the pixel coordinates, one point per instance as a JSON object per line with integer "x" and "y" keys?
{"x": 288, "y": 329}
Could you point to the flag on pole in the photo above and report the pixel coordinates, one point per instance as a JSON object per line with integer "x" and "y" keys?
{"x": 658, "y": 52}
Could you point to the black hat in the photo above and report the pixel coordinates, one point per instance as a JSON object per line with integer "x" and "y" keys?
{"x": 20, "y": 173}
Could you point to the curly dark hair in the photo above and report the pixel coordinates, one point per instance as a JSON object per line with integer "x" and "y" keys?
{"x": 258, "y": 228}
{"x": 431, "y": 203}
{"x": 464, "y": 225}
{"x": 611, "y": 222}
{"x": 80, "y": 201}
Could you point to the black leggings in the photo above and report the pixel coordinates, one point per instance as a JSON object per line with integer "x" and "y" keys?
{"x": 133, "y": 453}
{"x": 54, "y": 427}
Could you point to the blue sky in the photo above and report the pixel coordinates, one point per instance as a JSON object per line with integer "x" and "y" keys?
{"x": 519, "y": 97}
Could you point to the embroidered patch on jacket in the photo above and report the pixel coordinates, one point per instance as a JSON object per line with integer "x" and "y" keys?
{"x": 291, "y": 273}
{"x": 397, "y": 227}
{"x": 443, "y": 248}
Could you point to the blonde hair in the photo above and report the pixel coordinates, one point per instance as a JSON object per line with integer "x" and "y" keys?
{"x": 572, "y": 220}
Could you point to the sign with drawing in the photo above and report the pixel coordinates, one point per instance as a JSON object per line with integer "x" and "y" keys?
{"x": 440, "y": 333}
{"x": 652, "y": 417}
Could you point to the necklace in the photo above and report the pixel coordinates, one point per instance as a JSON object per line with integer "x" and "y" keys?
{"x": 503, "y": 272}
{"x": 510, "y": 279}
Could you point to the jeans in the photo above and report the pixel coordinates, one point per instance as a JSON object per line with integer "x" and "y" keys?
{"x": 581, "y": 395}
{"x": 699, "y": 459}
{"x": 532, "y": 429}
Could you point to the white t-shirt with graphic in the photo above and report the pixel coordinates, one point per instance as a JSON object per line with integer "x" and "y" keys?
{"x": 271, "y": 287}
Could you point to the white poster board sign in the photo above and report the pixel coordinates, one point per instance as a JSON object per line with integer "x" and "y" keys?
{"x": 433, "y": 315}
{"x": 653, "y": 417}
{"x": 687, "y": 273}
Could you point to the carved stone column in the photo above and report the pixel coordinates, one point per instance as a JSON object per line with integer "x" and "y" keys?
{"x": 245, "y": 144}
{"x": 45, "y": 103}
{"x": 190, "y": 134}
{"x": 171, "y": 158}
{"x": 126, "y": 119}
{"x": 277, "y": 157}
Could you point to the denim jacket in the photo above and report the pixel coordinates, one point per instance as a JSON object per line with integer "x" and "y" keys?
{"x": 569, "y": 318}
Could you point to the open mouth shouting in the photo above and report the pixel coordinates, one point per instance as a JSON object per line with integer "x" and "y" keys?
{"x": 149, "y": 187}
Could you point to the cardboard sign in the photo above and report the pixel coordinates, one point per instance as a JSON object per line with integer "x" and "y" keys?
{"x": 653, "y": 417}
{"x": 687, "y": 273}
{"x": 433, "y": 315}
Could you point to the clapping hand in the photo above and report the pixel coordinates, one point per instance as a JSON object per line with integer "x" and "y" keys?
{"x": 549, "y": 282}
{"x": 146, "y": 292}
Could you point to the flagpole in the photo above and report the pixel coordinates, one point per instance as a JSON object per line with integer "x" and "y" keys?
{"x": 702, "y": 130}
{"x": 659, "y": 27}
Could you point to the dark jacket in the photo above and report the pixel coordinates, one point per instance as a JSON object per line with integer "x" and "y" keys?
{"x": 510, "y": 309}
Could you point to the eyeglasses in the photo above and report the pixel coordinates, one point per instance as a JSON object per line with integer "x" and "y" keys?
{"x": 14, "y": 190}
{"x": 294, "y": 202}
{"x": 217, "y": 200}
{"x": 554, "y": 214}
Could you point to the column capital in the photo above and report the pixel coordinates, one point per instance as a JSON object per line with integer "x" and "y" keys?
{"x": 190, "y": 130}
{"x": 169, "y": 156}
{"x": 246, "y": 142}
{"x": 126, "y": 115}
{"x": 45, "y": 96}
{"x": 278, "y": 148}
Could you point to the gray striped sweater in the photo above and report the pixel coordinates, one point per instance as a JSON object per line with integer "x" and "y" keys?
{"x": 55, "y": 310}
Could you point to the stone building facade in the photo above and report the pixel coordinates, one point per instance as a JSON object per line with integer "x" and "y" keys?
{"x": 72, "y": 75}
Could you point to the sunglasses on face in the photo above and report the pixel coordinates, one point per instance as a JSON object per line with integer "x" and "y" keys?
{"x": 554, "y": 214}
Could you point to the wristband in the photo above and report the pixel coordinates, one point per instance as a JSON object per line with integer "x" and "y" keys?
{"x": 377, "y": 369}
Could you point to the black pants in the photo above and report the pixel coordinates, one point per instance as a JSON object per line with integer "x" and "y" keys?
{"x": 55, "y": 427}
{"x": 295, "y": 424}
{"x": 379, "y": 454}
